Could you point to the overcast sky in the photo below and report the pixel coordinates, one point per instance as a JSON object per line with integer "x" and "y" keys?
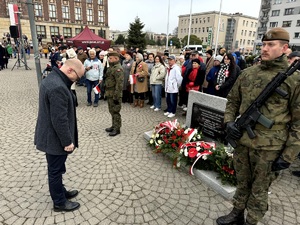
{"x": 154, "y": 13}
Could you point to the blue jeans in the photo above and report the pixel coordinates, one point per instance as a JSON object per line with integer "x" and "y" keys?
{"x": 56, "y": 168}
{"x": 156, "y": 94}
{"x": 89, "y": 88}
{"x": 172, "y": 102}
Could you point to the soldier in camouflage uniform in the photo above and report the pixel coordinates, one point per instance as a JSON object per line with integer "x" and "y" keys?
{"x": 257, "y": 161}
{"x": 113, "y": 91}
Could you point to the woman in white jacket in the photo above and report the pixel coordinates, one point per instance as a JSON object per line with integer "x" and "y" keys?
{"x": 173, "y": 80}
{"x": 158, "y": 73}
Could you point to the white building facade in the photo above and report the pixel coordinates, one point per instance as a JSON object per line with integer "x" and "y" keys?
{"x": 280, "y": 13}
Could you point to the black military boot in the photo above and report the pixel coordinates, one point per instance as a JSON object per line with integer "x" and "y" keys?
{"x": 235, "y": 217}
{"x": 110, "y": 129}
{"x": 114, "y": 132}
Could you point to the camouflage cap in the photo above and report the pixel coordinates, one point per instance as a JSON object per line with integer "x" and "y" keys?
{"x": 276, "y": 33}
{"x": 113, "y": 54}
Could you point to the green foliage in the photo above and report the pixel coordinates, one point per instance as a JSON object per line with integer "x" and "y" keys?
{"x": 158, "y": 42}
{"x": 194, "y": 40}
{"x": 175, "y": 42}
{"x": 120, "y": 40}
{"x": 136, "y": 38}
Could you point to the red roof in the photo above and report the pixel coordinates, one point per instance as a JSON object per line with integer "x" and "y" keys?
{"x": 86, "y": 37}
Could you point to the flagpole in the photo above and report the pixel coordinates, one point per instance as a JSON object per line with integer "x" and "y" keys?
{"x": 218, "y": 29}
{"x": 167, "y": 41}
{"x": 190, "y": 24}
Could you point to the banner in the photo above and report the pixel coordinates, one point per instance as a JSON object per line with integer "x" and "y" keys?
{"x": 13, "y": 10}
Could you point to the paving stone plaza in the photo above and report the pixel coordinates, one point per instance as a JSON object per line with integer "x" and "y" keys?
{"x": 119, "y": 178}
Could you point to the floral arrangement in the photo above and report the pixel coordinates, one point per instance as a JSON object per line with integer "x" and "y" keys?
{"x": 186, "y": 147}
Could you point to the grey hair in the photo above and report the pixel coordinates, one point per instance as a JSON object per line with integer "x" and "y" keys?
{"x": 140, "y": 56}
{"x": 92, "y": 50}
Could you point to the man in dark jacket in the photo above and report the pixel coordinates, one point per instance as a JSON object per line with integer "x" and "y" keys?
{"x": 56, "y": 129}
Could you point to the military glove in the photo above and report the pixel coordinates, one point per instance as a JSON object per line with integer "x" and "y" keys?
{"x": 116, "y": 102}
{"x": 280, "y": 164}
{"x": 233, "y": 132}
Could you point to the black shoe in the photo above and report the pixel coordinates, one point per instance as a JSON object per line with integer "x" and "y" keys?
{"x": 110, "y": 129}
{"x": 68, "y": 206}
{"x": 95, "y": 104}
{"x": 114, "y": 133}
{"x": 236, "y": 216}
{"x": 296, "y": 173}
{"x": 71, "y": 194}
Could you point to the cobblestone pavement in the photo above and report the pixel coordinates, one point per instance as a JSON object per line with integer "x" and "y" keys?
{"x": 120, "y": 180}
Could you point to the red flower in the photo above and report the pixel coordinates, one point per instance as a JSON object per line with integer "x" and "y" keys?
{"x": 174, "y": 137}
{"x": 178, "y": 132}
{"x": 173, "y": 145}
{"x": 167, "y": 131}
{"x": 205, "y": 146}
{"x": 228, "y": 170}
{"x": 192, "y": 152}
{"x": 180, "y": 143}
{"x": 166, "y": 141}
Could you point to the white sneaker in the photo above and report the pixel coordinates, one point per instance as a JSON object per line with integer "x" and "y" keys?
{"x": 152, "y": 107}
{"x": 166, "y": 113}
{"x": 156, "y": 109}
{"x": 171, "y": 115}
{"x": 185, "y": 109}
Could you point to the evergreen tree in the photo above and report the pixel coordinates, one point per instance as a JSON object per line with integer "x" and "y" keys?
{"x": 136, "y": 38}
{"x": 175, "y": 42}
{"x": 120, "y": 40}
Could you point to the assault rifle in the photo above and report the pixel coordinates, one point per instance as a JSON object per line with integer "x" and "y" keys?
{"x": 252, "y": 115}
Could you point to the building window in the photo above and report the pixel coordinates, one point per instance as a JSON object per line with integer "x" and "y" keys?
{"x": 203, "y": 20}
{"x": 38, "y": 10}
{"x": 248, "y": 42}
{"x": 52, "y": 11}
{"x": 89, "y": 15}
{"x": 192, "y": 21}
{"x": 65, "y": 12}
{"x": 78, "y": 13}
{"x": 298, "y": 23}
{"x": 245, "y": 32}
{"x": 101, "y": 16}
{"x": 203, "y": 29}
{"x": 291, "y": 0}
{"x": 181, "y": 21}
{"x": 286, "y": 23}
{"x": 184, "y": 30}
{"x": 195, "y": 30}
{"x": 244, "y": 41}
{"x": 67, "y": 32}
{"x": 275, "y": 12}
{"x": 196, "y": 20}
{"x": 254, "y": 33}
{"x": 277, "y": 2}
{"x": 208, "y": 19}
{"x": 273, "y": 24}
{"x": 100, "y": 2}
{"x": 54, "y": 31}
{"x": 251, "y": 24}
{"x": 243, "y": 22}
{"x": 207, "y": 29}
{"x": 41, "y": 31}
{"x": 192, "y": 30}
{"x": 241, "y": 41}
{"x": 247, "y": 24}
{"x": 289, "y": 11}
{"x": 181, "y": 30}
{"x": 200, "y": 20}
{"x": 250, "y": 33}
{"x": 199, "y": 29}
{"x": 242, "y": 32}
{"x": 297, "y": 35}
{"x": 77, "y": 31}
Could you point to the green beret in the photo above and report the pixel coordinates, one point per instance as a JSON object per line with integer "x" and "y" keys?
{"x": 276, "y": 33}
{"x": 113, "y": 54}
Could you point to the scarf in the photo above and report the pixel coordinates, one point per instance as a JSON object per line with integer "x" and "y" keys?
{"x": 222, "y": 74}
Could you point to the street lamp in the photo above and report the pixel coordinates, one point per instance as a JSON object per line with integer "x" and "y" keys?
{"x": 190, "y": 24}
{"x": 218, "y": 29}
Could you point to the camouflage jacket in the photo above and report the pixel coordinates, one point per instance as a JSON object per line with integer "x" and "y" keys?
{"x": 285, "y": 133}
{"x": 114, "y": 78}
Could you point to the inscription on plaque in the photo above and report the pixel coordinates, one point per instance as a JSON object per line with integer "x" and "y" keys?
{"x": 209, "y": 120}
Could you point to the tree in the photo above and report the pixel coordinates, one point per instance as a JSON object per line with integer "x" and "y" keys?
{"x": 158, "y": 42}
{"x": 136, "y": 38}
{"x": 175, "y": 42}
{"x": 175, "y": 32}
{"x": 194, "y": 40}
{"x": 120, "y": 40}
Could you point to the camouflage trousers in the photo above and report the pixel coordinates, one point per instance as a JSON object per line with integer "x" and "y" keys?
{"x": 254, "y": 176}
{"x": 114, "y": 111}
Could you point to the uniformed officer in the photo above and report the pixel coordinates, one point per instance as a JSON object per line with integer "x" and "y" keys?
{"x": 257, "y": 160}
{"x": 113, "y": 91}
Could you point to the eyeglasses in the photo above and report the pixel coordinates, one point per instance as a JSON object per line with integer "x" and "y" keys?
{"x": 78, "y": 77}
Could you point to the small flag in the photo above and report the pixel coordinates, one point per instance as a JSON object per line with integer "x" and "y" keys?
{"x": 132, "y": 79}
{"x": 97, "y": 89}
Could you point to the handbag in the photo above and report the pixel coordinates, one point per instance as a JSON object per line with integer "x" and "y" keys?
{"x": 141, "y": 79}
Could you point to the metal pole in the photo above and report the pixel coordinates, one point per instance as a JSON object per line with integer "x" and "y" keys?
{"x": 22, "y": 41}
{"x": 190, "y": 24}
{"x": 167, "y": 41}
{"x": 218, "y": 29}
{"x": 34, "y": 41}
